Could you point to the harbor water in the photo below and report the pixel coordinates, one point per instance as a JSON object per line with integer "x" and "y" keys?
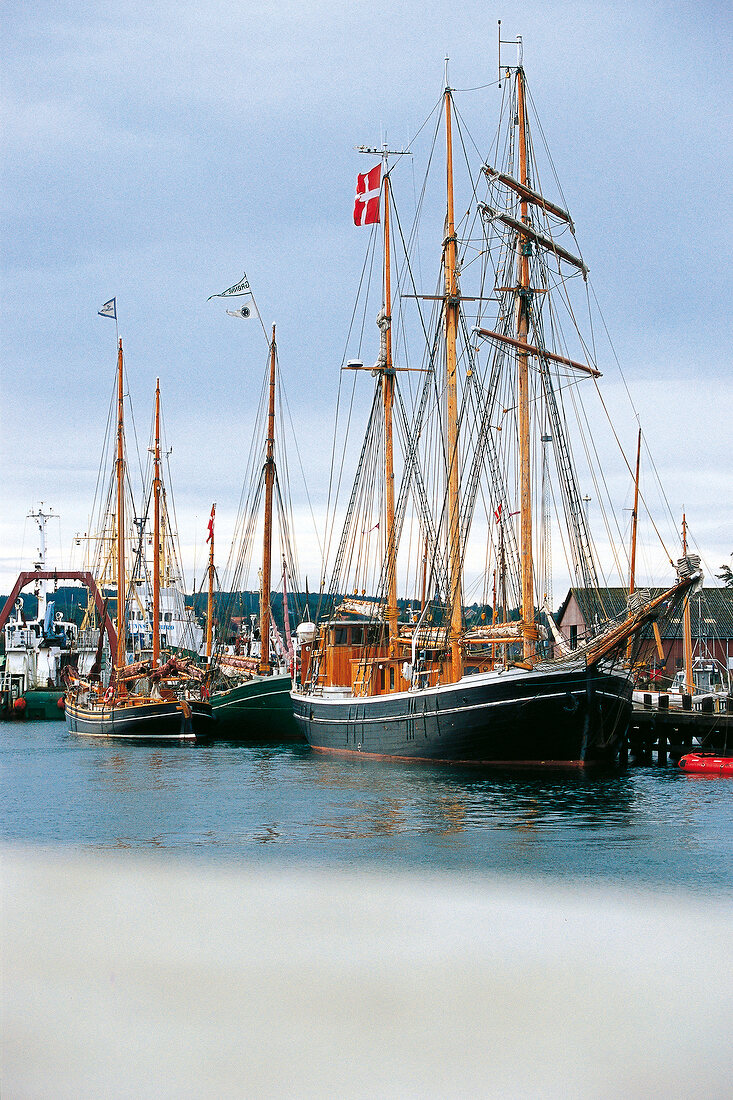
{"x": 287, "y": 806}
{"x": 225, "y": 920}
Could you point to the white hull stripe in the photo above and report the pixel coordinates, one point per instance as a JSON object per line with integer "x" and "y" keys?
{"x": 352, "y": 720}
{"x": 468, "y": 683}
{"x": 137, "y": 737}
{"x": 248, "y": 699}
{"x": 105, "y": 716}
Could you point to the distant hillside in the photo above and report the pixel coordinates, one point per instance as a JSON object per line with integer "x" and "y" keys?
{"x": 71, "y": 601}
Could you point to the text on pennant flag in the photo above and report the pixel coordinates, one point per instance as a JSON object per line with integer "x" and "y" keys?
{"x": 109, "y": 309}
{"x": 366, "y": 205}
{"x": 240, "y": 288}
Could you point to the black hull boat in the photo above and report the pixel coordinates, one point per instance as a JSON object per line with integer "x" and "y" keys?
{"x": 176, "y": 720}
{"x": 147, "y": 700}
{"x": 428, "y": 677}
{"x": 563, "y": 717}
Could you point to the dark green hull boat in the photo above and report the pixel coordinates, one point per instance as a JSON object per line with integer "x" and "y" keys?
{"x": 259, "y": 709}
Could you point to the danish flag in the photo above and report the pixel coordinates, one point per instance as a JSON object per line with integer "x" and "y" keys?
{"x": 366, "y": 206}
{"x": 210, "y": 536}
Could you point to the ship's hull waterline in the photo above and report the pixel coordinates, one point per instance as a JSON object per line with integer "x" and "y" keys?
{"x": 569, "y": 717}
{"x": 258, "y": 710}
{"x": 174, "y": 720}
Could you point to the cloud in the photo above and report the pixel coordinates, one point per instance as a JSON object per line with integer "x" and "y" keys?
{"x": 153, "y": 152}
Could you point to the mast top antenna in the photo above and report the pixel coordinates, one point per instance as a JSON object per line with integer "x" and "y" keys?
{"x": 511, "y": 42}
{"x": 382, "y": 151}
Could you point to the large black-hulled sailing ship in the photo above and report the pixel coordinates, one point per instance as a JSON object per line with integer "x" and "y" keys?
{"x": 430, "y": 685}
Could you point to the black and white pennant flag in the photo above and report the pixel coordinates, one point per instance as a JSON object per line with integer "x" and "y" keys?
{"x": 244, "y": 312}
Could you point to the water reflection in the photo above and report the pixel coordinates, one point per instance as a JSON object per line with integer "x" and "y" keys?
{"x": 451, "y": 800}
{"x": 286, "y": 803}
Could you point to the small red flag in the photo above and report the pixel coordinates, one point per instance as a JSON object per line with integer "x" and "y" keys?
{"x": 210, "y": 535}
{"x": 497, "y": 513}
{"x": 366, "y": 205}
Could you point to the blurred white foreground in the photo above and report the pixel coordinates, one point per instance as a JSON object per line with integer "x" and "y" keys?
{"x": 125, "y": 976}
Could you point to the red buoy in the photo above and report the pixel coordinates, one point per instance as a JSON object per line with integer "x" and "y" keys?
{"x": 61, "y": 702}
{"x": 707, "y": 763}
{"x": 19, "y": 705}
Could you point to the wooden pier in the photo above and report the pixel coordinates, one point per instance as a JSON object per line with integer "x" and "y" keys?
{"x": 663, "y": 734}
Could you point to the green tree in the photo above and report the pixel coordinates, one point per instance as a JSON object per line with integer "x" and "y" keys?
{"x": 726, "y": 575}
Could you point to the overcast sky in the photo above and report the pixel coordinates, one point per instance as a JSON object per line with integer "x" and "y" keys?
{"x": 154, "y": 152}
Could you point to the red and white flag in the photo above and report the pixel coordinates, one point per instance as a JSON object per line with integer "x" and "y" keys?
{"x": 366, "y": 206}
{"x": 210, "y": 535}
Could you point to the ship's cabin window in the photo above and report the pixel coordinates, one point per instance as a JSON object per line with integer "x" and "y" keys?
{"x": 391, "y": 677}
{"x": 376, "y": 635}
{"x": 168, "y": 616}
{"x": 358, "y": 635}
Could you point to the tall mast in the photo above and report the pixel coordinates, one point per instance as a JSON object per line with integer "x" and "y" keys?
{"x": 451, "y": 330}
{"x": 388, "y": 398}
{"x": 267, "y": 547}
{"x": 210, "y": 598}
{"x": 156, "y": 530}
{"x": 493, "y": 619}
{"x": 41, "y": 518}
{"x": 687, "y": 623}
{"x": 286, "y": 617}
{"x": 525, "y": 484}
{"x": 424, "y": 574}
{"x": 121, "y": 587}
{"x": 634, "y": 526}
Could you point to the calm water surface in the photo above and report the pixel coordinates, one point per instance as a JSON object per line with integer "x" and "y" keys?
{"x": 646, "y": 826}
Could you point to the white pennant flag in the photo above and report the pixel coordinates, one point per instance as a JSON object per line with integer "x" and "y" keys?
{"x": 238, "y": 290}
{"x": 109, "y": 309}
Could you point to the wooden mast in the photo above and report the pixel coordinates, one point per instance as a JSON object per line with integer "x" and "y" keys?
{"x": 634, "y": 525}
{"x": 121, "y": 585}
{"x": 286, "y": 618}
{"x": 265, "y": 583}
{"x": 525, "y": 492}
{"x": 451, "y": 330}
{"x": 388, "y": 399}
{"x": 424, "y": 575}
{"x": 687, "y": 623}
{"x": 493, "y": 620}
{"x": 210, "y": 598}
{"x": 156, "y": 530}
